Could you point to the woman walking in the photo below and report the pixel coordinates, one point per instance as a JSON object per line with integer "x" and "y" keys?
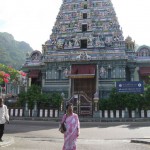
{"x": 72, "y": 123}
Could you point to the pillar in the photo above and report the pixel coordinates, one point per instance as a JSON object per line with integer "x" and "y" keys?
{"x": 132, "y": 69}
{"x": 97, "y": 78}
{"x": 69, "y": 90}
{"x": 35, "y": 109}
{"x": 26, "y": 111}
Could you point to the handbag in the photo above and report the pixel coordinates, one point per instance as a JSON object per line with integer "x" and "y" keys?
{"x": 62, "y": 128}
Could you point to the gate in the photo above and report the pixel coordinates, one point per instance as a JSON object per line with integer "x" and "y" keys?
{"x": 83, "y": 105}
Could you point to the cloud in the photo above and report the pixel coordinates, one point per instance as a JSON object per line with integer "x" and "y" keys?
{"x": 32, "y": 20}
{"x": 3, "y": 24}
{"x": 28, "y": 20}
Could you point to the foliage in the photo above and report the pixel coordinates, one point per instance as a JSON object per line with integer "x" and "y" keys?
{"x": 9, "y": 74}
{"x": 147, "y": 98}
{"x": 118, "y": 101}
{"x": 43, "y": 99}
{"x": 56, "y": 99}
{"x": 12, "y": 52}
{"x": 33, "y": 94}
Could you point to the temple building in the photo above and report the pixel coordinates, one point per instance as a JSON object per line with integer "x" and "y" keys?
{"x": 85, "y": 55}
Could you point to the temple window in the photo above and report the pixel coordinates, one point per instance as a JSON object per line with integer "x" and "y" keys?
{"x": 84, "y": 27}
{"x": 59, "y": 74}
{"x": 85, "y": 6}
{"x": 83, "y": 43}
{"x": 84, "y": 15}
{"x": 109, "y": 73}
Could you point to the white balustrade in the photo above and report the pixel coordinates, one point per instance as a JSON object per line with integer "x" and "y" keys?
{"x": 56, "y": 113}
{"x": 16, "y": 112}
{"x": 21, "y": 113}
{"x": 148, "y": 113}
{"x": 123, "y": 113}
{"x": 46, "y": 113}
{"x": 11, "y": 112}
{"x": 51, "y": 113}
{"x": 111, "y": 114}
{"x": 142, "y": 114}
{"x": 100, "y": 114}
{"x": 117, "y": 113}
{"x": 133, "y": 113}
{"x": 41, "y": 113}
{"x": 106, "y": 113}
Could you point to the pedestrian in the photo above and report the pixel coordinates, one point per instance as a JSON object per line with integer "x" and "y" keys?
{"x": 4, "y": 117}
{"x": 72, "y": 128}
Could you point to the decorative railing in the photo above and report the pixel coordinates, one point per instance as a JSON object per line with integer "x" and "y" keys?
{"x": 20, "y": 112}
{"x": 102, "y": 114}
{"x": 92, "y": 58}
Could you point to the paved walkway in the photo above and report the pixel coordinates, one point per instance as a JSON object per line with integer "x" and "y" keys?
{"x": 7, "y": 140}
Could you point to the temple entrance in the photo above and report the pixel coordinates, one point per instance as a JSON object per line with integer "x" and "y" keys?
{"x": 83, "y": 104}
{"x": 84, "y": 85}
{"x": 83, "y": 88}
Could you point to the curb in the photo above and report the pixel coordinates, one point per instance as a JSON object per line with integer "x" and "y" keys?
{"x": 140, "y": 141}
{"x": 7, "y": 141}
{"x": 57, "y": 119}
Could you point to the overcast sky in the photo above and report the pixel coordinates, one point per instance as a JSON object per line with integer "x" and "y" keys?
{"x": 32, "y": 20}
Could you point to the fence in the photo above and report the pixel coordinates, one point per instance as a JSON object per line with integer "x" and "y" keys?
{"x": 124, "y": 114}
{"x": 54, "y": 113}
{"x": 19, "y": 112}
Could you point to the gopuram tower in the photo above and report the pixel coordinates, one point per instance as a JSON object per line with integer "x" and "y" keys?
{"x": 86, "y": 54}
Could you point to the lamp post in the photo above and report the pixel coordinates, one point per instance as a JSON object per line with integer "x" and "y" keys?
{"x": 96, "y": 111}
{"x": 96, "y": 99}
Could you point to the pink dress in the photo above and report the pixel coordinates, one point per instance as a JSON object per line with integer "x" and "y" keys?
{"x": 71, "y": 135}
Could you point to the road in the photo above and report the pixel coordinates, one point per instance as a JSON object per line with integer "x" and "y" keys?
{"x": 44, "y": 135}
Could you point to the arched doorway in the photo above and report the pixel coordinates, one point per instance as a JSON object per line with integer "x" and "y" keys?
{"x": 83, "y": 88}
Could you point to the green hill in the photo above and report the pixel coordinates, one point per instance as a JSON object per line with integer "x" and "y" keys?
{"x": 12, "y": 52}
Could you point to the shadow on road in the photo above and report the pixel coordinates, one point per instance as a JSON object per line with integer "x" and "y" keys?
{"x": 20, "y": 126}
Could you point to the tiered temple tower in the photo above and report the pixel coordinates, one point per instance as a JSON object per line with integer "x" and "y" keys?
{"x": 86, "y": 54}
{"x": 88, "y": 25}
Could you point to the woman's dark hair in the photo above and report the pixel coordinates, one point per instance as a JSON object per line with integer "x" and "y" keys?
{"x": 69, "y": 104}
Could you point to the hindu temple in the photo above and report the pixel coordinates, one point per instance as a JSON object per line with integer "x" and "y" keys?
{"x": 84, "y": 56}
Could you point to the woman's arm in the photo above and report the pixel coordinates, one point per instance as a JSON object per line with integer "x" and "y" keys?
{"x": 78, "y": 125}
{"x": 6, "y": 114}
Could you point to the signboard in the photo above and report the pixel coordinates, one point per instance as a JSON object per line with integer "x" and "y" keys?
{"x": 130, "y": 87}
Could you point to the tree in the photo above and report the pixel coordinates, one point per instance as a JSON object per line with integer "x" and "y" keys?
{"x": 56, "y": 99}
{"x": 118, "y": 101}
{"x": 9, "y": 74}
{"x": 147, "y": 98}
{"x": 43, "y": 99}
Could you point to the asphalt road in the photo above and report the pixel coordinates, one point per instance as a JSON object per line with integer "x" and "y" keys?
{"x": 44, "y": 135}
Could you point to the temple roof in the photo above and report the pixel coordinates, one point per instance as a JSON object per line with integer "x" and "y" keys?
{"x": 85, "y": 25}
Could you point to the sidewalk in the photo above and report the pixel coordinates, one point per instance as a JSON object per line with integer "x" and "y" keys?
{"x": 6, "y": 141}
{"x": 9, "y": 140}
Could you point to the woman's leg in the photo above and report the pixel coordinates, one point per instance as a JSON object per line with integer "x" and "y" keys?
{"x": 1, "y": 131}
